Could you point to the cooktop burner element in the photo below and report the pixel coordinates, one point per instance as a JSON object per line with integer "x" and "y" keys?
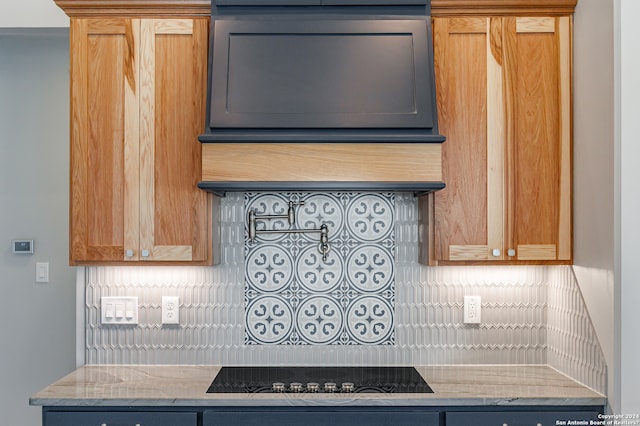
{"x": 319, "y": 379}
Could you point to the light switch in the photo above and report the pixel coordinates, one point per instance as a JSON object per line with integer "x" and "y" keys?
{"x": 42, "y": 272}
{"x": 128, "y": 312}
{"x": 119, "y": 310}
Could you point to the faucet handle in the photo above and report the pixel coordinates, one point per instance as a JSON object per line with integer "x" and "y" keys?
{"x": 252, "y": 224}
{"x": 323, "y": 247}
{"x": 291, "y": 214}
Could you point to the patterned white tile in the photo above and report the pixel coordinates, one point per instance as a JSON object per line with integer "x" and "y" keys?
{"x": 370, "y": 319}
{"x": 319, "y": 320}
{"x": 269, "y": 268}
{"x": 320, "y": 294}
{"x": 318, "y": 209}
{"x": 271, "y": 205}
{"x": 316, "y": 275}
{"x": 370, "y": 218}
{"x": 269, "y": 319}
{"x": 370, "y": 269}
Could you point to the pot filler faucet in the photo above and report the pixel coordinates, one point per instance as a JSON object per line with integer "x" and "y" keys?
{"x": 323, "y": 246}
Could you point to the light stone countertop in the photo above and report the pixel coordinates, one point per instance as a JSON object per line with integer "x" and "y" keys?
{"x": 186, "y": 385}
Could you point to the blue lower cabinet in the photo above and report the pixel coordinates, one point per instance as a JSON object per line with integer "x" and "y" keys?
{"x": 106, "y": 418}
{"x": 321, "y": 418}
{"x": 522, "y": 418}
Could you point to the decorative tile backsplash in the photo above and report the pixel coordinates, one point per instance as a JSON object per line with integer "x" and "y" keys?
{"x": 530, "y": 314}
{"x": 294, "y": 295}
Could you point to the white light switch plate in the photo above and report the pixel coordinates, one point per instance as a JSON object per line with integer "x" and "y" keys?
{"x": 42, "y": 272}
{"x": 119, "y": 310}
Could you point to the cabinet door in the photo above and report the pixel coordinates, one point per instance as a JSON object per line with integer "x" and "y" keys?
{"x": 321, "y": 418}
{"x": 468, "y": 212}
{"x": 105, "y": 418}
{"x": 174, "y": 212}
{"x": 138, "y": 105}
{"x": 503, "y": 88}
{"x": 537, "y": 64}
{"x": 519, "y": 418}
{"x": 104, "y": 131}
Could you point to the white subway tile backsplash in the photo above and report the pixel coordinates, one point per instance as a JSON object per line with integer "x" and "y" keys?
{"x": 573, "y": 345}
{"x": 531, "y": 315}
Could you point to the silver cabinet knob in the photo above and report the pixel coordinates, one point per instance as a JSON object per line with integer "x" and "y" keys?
{"x": 495, "y": 252}
{"x": 128, "y": 253}
{"x": 511, "y": 252}
{"x": 145, "y": 253}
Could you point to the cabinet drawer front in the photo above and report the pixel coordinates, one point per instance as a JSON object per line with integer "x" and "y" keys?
{"x": 529, "y": 418}
{"x": 100, "y": 418}
{"x": 321, "y": 418}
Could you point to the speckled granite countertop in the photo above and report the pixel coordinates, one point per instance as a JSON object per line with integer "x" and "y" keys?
{"x": 186, "y": 385}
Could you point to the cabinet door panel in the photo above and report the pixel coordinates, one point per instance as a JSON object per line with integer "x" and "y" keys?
{"x": 319, "y": 418}
{"x": 537, "y": 142}
{"x": 174, "y": 211}
{"x": 103, "y": 127}
{"x": 460, "y": 57}
{"x": 53, "y": 418}
{"x": 517, "y": 418}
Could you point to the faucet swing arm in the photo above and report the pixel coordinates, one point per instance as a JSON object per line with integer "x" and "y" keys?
{"x": 323, "y": 246}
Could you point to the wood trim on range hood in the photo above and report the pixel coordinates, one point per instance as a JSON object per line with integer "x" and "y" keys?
{"x": 194, "y": 8}
{"x": 406, "y": 167}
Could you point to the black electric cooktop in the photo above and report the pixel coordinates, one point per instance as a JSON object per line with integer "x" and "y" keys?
{"x": 319, "y": 379}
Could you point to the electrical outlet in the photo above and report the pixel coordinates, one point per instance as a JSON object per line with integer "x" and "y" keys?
{"x": 170, "y": 310}
{"x": 472, "y": 309}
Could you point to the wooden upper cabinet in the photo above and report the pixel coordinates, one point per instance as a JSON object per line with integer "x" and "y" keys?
{"x": 504, "y": 104}
{"x": 138, "y": 104}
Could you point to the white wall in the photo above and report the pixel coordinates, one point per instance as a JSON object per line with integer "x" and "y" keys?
{"x": 627, "y": 16}
{"x": 607, "y": 185}
{"x": 593, "y": 150}
{"x": 37, "y": 322}
{"x": 31, "y": 13}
